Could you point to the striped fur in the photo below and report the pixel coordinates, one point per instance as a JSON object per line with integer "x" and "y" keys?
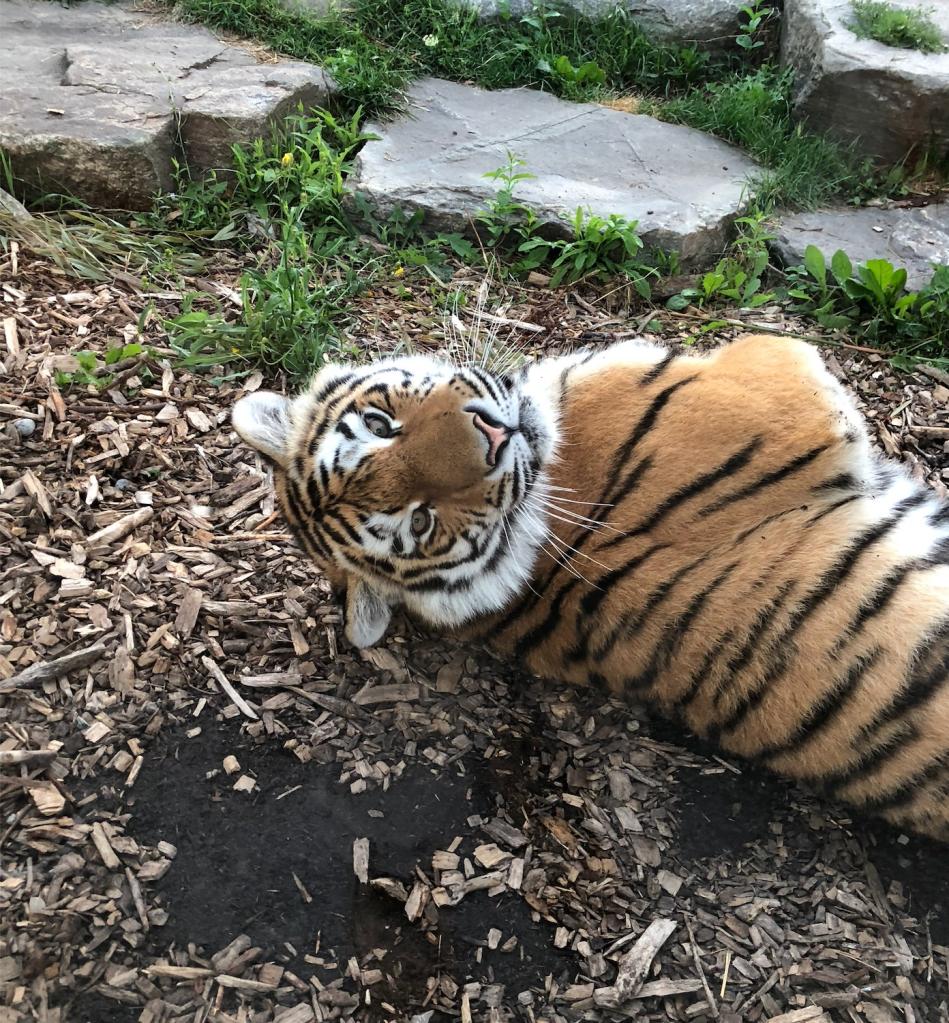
{"x": 711, "y": 534}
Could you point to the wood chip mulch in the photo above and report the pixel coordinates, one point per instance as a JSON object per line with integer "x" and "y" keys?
{"x": 213, "y": 810}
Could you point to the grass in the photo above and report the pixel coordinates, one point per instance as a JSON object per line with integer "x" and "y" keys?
{"x": 754, "y": 111}
{"x": 906, "y": 28}
{"x": 375, "y": 51}
{"x": 308, "y": 247}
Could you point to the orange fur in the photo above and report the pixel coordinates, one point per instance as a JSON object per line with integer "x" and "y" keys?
{"x": 759, "y": 574}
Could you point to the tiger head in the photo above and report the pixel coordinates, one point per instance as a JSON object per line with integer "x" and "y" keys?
{"x": 418, "y": 481}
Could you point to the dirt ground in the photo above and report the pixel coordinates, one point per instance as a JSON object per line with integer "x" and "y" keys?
{"x": 246, "y": 820}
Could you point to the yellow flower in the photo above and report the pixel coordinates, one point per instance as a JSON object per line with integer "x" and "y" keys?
{"x": 399, "y": 271}
{"x": 287, "y": 159}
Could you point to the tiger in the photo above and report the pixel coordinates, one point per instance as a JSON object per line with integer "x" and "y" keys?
{"x": 712, "y": 535}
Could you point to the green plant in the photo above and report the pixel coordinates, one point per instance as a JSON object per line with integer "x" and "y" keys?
{"x": 751, "y": 19}
{"x": 907, "y": 28}
{"x": 871, "y": 301}
{"x": 601, "y": 247}
{"x": 91, "y": 371}
{"x": 737, "y": 278}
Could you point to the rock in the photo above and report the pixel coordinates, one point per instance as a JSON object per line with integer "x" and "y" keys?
{"x": 683, "y": 187}
{"x": 13, "y": 208}
{"x": 98, "y": 101}
{"x": 913, "y": 238}
{"x": 24, "y": 427}
{"x": 711, "y": 23}
{"x": 883, "y": 99}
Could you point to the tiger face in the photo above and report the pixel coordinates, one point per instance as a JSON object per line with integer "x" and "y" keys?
{"x": 418, "y": 481}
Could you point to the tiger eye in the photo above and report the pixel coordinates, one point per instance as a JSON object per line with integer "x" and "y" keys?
{"x": 421, "y": 520}
{"x": 377, "y": 425}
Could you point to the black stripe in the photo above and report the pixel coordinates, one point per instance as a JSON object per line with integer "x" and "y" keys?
{"x": 620, "y": 459}
{"x": 488, "y": 383}
{"x": 680, "y": 704}
{"x": 652, "y": 375}
{"x": 843, "y": 481}
{"x": 825, "y": 711}
{"x": 828, "y": 584}
{"x": 907, "y": 791}
{"x": 929, "y": 674}
{"x": 877, "y": 602}
{"x": 831, "y": 508}
{"x": 679, "y": 497}
{"x": 346, "y": 430}
{"x": 769, "y": 479}
{"x": 745, "y": 533}
{"x": 643, "y": 427}
{"x": 631, "y": 621}
{"x": 673, "y": 634}
{"x": 752, "y": 644}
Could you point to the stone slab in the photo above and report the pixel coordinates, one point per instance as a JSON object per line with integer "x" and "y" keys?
{"x": 883, "y": 100}
{"x": 914, "y": 238}
{"x": 710, "y": 23}
{"x": 98, "y": 100}
{"x": 683, "y": 187}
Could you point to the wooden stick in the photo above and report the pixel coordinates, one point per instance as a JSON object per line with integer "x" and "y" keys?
{"x": 121, "y": 528}
{"x": 242, "y": 705}
{"x": 37, "y": 674}
{"x": 709, "y": 997}
{"x": 30, "y": 757}
{"x": 634, "y": 964}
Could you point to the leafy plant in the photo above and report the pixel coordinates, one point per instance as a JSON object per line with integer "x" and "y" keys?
{"x": 751, "y": 18}
{"x": 599, "y": 246}
{"x": 871, "y": 301}
{"x": 737, "y": 278}
{"x": 91, "y": 371}
{"x": 906, "y": 28}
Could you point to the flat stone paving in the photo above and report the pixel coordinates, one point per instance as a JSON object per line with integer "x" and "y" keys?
{"x": 913, "y": 238}
{"x": 683, "y": 187}
{"x": 97, "y": 100}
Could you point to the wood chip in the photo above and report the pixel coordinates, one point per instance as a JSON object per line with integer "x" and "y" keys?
{"x": 634, "y": 964}
{"x": 47, "y": 671}
{"x": 361, "y": 859}
{"x": 120, "y": 529}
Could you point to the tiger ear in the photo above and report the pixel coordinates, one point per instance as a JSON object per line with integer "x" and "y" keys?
{"x": 262, "y": 420}
{"x": 367, "y": 614}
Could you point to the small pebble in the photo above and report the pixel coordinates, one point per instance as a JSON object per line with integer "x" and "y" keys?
{"x": 24, "y": 427}
{"x": 124, "y": 484}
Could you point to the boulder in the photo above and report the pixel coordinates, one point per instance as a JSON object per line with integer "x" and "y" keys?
{"x": 883, "y": 100}
{"x": 709, "y": 23}
{"x": 99, "y": 101}
{"x": 911, "y": 237}
{"x": 683, "y": 188}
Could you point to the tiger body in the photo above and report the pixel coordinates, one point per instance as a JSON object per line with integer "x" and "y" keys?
{"x": 710, "y": 534}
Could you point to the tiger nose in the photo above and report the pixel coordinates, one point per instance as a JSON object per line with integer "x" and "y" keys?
{"x": 497, "y": 435}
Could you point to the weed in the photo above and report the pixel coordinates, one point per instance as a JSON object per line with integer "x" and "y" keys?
{"x": 752, "y": 18}
{"x": 379, "y": 45}
{"x": 906, "y": 28}
{"x": 93, "y": 372}
{"x": 737, "y": 278}
{"x": 599, "y": 247}
{"x": 871, "y": 301}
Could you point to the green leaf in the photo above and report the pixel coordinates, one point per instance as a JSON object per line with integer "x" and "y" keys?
{"x": 745, "y": 42}
{"x": 841, "y": 267}
{"x": 86, "y": 360}
{"x": 814, "y": 262}
{"x": 678, "y": 302}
